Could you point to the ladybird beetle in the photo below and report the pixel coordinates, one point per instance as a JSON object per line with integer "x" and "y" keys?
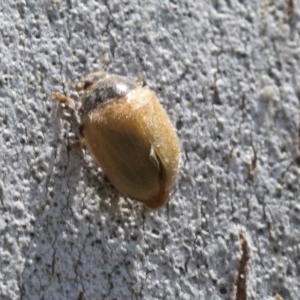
{"x": 129, "y": 134}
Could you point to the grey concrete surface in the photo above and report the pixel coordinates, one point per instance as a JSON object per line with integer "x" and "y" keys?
{"x": 228, "y": 74}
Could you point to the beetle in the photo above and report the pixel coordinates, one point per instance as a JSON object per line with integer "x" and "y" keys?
{"x": 129, "y": 134}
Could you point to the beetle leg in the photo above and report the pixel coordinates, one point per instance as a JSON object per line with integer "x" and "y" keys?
{"x": 61, "y": 98}
{"x": 140, "y": 80}
{"x": 79, "y": 143}
{"x": 80, "y": 129}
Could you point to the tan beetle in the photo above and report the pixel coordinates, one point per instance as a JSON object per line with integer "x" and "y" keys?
{"x": 129, "y": 134}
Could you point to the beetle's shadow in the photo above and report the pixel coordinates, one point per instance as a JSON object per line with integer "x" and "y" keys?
{"x": 110, "y": 201}
{"x": 77, "y": 217}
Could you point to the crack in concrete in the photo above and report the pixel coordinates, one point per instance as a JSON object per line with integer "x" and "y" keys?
{"x": 240, "y": 285}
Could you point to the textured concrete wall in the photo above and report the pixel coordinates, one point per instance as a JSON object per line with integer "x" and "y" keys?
{"x": 228, "y": 74}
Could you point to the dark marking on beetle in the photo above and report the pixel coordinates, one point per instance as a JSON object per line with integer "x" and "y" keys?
{"x": 99, "y": 90}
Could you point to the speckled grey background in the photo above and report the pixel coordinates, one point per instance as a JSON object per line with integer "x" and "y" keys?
{"x": 228, "y": 73}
